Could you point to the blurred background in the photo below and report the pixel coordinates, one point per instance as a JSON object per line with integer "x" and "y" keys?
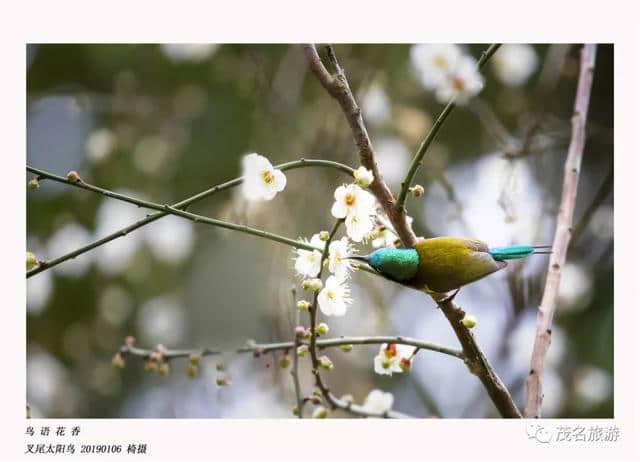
{"x": 164, "y": 122}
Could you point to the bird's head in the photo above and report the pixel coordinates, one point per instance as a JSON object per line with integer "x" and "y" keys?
{"x": 400, "y": 265}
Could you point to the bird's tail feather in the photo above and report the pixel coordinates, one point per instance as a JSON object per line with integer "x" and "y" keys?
{"x": 514, "y": 252}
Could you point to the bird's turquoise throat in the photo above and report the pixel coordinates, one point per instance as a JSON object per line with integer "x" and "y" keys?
{"x": 398, "y": 264}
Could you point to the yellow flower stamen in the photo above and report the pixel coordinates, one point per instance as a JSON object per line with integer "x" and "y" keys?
{"x": 440, "y": 62}
{"x": 267, "y": 177}
{"x": 350, "y": 199}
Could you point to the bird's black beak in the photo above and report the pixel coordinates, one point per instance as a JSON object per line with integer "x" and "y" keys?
{"x": 359, "y": 258}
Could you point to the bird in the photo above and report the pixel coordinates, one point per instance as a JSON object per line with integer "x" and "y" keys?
{"x": 441, "y": 265}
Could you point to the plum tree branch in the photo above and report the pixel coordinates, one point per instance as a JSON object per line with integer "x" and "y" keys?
{"x": 262, "y": 348}
{"x": 338, "y": 87}
{"x": 563, "y": 232}
{"x": 301, "y": 163}
{"x": 426, "y": 142}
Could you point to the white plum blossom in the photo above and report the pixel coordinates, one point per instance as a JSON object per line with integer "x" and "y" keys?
{"x": 359, "y": 226}
{"x": 378, "y": 402}
{"x": 307, "y": 262}
{"x": 352, "y": 200}
{"x": 339, "y": 263}
{"x": 385, "y": 366}
{"x": 514, "y": 63}
{"x": 261, "y": 180}
{"x": 393, "y": 358}
{"x": 383, "y": 237}
{"x": 363, "y": 176}
{"x": 434, "y": 62}
{"x": 463, "y": 83}
{"x": 334, "y": 297}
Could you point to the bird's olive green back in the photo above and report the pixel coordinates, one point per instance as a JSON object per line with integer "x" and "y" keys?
{"x": 447, "y": 263}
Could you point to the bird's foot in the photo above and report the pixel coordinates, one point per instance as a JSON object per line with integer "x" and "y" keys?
{"x": 449, "y": 298}
{"x": 439, "y": 297}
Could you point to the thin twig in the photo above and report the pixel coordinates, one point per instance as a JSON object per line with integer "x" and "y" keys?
{"x": 333, "y": 401}
{"x": 563, "y": 233}
{"x": 426, "y": 142}
{"x": 313, "y": 311}
{"x": 294, "y": 369}
{"x": 179, "y": 205}
{"x": 262, "y": 348}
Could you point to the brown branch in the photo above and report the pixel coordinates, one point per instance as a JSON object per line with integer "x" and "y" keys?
{"x": 294, "y": 369}
{"x": 563, "y": 233}
{"x": 259, "y": 349}
{"x": 338, "y": 87}
{"x": 477, "y": 362}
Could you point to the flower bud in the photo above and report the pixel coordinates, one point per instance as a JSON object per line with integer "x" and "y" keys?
{"x": 307, "y": 333}
{"x": 194, "y": 359}
{"x": 33, "y": 184}
{"x": 469, "y": 321}
{"x": 324, "y": 236}
{"x": 417, "y": 190}
{"x": 32, "y": 262}
{"x": 163, "y": 368}
{"x": 295, "y": 411}
{"x": 312, "y": 284}
{"x": 322, "y": 328}
{"x": 405, "y": 364}
{"x": 222, "y": 380}
{"x": 325, "y": 363}
{"x": 320, "y": 412}
{"x": 363, "y": 177}
{"x": 285, "y": 361}
{"x": 391, "y": 351}
{"x": 346, "y": 348}
{"x": 300, "y": 331}
{"x": 73, "y": 176}
{"x": 150, "y": 365}
{"x": 193, "y": 370}
{"x": 303, "y": 305}
{"x": 220, "y": 366}
{"x": 302, "y": 350}
{"x": 118, "y": 361}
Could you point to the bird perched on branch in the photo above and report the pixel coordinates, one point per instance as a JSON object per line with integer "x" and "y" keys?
{"x": 443, "y": 264}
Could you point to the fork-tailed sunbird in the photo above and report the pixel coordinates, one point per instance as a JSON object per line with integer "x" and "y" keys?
{"x": 443, "y": 264}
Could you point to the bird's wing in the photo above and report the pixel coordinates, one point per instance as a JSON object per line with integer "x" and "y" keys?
{"x": 476, "y": 245}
